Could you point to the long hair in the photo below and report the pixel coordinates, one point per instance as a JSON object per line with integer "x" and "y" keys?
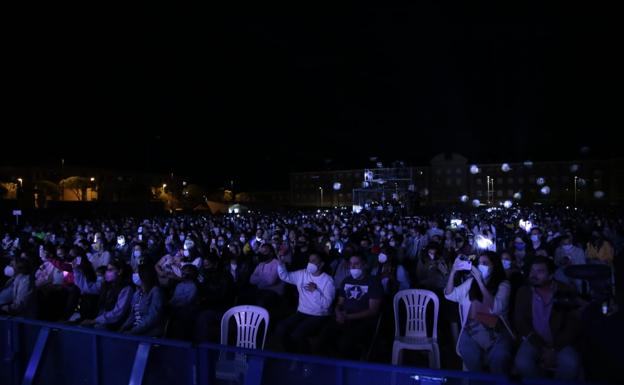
{"x": 110, "y": 290}
{"x": 496, "y": 277}
{"x": 148, "y": 276}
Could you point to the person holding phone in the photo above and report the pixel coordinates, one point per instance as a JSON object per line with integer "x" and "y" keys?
{"x": 485, "y": 340}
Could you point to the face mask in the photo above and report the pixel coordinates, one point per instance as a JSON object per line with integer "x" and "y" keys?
{"x": 382, "y": 258}
{"x": 233, "y": 265}
{"x": 136, "y": 253}
{"x": 567, "y": 247}
{"x": 355, "y": 273}
{"x": 110, "y": 276}
{"x": 182, "y": 238}
{"x": 392, "y": 243}
{"x": 382, "y": 234}
{"x": 9, "y": 271}
{"x": 432, "y": 255}
{"x": 485, "y": 271}
{"x": 519, "y": 246}
{"x": 99, "y": 279}
{"x": 220, "y": 243}
{"x": 311, "y": 268}
{"x": 78, "y": 260}
{"x": 242, "y": 239}
{"x": 506, "y": 264}
{"x": 121, "y": 241}
{"x": 186, "y": 253}
{"x": 136, "y": 279}
{"x": 228, "y": 235}
{"x": 534, "y": 238}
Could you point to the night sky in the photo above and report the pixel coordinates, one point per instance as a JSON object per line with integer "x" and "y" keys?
{"x": 252, "y": 92}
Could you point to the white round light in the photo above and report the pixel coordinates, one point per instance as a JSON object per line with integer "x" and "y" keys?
{"x": 474, "y": 169}
{"x": 545, "y": 190}
{"x": 337, "y": 186}
{"x": 541, "y": 181}
{"x": 599, "y": 194}
{"x": 464, "y": 198}
{"x": 528, "y": 164}
{"x": 507, "y": 204}
{"x": 574, "y": 168}
{"x": 476, "y": 203}
{"x": 505, "y": 167}
{"x": 517, "y": 195}
{"x": 424, "y": 191}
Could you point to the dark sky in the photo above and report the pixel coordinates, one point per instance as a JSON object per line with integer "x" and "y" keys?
{"x": 252, "y": 92}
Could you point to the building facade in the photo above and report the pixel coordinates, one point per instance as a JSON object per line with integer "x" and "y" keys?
{"x": 448, "y": 177}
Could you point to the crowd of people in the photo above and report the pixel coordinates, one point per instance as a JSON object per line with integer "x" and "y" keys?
{"x": 508, "y": 304}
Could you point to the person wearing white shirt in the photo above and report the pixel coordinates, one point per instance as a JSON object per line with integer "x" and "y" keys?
{"x": 316, "y": 294}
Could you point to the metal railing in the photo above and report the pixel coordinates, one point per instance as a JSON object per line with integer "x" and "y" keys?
{"x": 36, "y": 352}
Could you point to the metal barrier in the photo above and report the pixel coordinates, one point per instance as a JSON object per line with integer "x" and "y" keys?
{"x": 35, "y": 352}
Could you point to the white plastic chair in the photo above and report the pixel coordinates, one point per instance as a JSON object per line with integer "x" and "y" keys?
{"x": 248, "y": 320}
{"x": 416, "y": 336}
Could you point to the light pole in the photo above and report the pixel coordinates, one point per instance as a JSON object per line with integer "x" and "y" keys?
{"x": 490, "y": 182}
{"x": 575, "y": 180}
{"x": 321, "y": 189}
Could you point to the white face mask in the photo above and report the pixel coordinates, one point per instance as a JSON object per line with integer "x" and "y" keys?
{"x": 534, "y": 238}
{"x": 311, "y": 268}
{"x": 485, "y": 271}
{"x": 382, "y": 258}
{"x": 355, "y": 273}
{"x": 506, "y": 264}
{"x": 242, "y": 239}
{"x": 136, "y": 279}
{"x": 9, "y": 271}
{"x": 121, "y": 241}
{"x": 136, "y": 253}
{"x": 186, "y": 253}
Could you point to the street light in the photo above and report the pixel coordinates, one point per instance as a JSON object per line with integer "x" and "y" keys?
{"x": 320, "y": 188}
{"x": 21, "y": 181}
{"x": 575, "y": 180}
{"x": 92, "y": 179}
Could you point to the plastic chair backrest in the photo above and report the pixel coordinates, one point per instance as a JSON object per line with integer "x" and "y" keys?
{"x": 248, "y": 319}
{"x": 416, "y": 302}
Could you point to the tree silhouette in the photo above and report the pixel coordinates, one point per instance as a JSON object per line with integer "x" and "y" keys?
{"x": 77, "y": 184}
